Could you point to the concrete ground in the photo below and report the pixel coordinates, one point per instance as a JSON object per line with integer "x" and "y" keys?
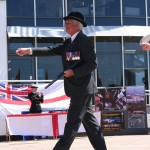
{"x": 122, "y": 142}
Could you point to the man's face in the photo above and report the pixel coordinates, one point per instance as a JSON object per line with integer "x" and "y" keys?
{"x": 71, "y": 26}
{"x": 34, "y": 89}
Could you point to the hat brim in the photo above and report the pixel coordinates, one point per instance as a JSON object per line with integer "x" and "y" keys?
{"x": 33, "y": 86}
{"x": 75, "y": 18}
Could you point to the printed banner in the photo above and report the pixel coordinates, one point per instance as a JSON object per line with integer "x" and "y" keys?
{"x": 112, "y": 121}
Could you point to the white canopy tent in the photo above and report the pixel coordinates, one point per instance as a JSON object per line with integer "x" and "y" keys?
{"x": 20, "y": 31}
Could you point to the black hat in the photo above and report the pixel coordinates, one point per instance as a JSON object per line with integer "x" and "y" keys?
{"x": 34, "y": 86}
{"x": 76, "y": 16}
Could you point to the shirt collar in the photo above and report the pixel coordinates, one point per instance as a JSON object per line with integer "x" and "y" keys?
{"x": 74, "y": 36}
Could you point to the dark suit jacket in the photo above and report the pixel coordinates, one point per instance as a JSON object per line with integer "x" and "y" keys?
{"x": 35, "y": 102}
{"x": 81, "y": 50}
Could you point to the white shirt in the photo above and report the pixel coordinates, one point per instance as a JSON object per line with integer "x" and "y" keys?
{"x": 74, "y": 36}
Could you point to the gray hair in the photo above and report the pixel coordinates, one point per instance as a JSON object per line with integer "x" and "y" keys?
{"x": 80, "y": 25}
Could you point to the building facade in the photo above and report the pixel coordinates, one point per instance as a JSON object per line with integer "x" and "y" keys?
{"x": 115, "y": 26}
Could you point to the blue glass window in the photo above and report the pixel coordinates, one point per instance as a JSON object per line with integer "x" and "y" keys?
{"x": 20, "y": 12}
{"x": 149, "y": 22}
{"x": 135, "y": 62}
{"x": 106, "y": 9}
{"x": 109, "y": 56}
{"x": 20, "y": 68}
{"x": 134, "y": 21}
{"x": 133, "y": 8}
{"x": 135, "y": 57}
{"x": 49, "y": 66}
{"x": 136, "y": 77}
{"x": 84, "y": 6}
{"x": 15, "y": 43}
{"x": 49, "y": 13}
{"x": 108, "y": 21}
{"x": 148, "y": 9}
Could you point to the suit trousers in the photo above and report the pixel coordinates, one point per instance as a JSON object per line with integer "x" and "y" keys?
{"x": 80, "y": 111}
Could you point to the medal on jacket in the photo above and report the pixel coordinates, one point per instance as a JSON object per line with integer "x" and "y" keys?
{"x": 71, "y": 56}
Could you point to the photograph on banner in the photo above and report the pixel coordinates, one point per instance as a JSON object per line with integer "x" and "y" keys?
{"x": 112, "y": 98}
{"x": 136, "y": 103}
{"x": 136, "y": 106}
{"x": 112, "y": 121}
{"x": 136, "y": 121}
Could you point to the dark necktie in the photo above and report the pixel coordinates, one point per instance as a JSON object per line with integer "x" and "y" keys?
{"x": 69, "y": 41}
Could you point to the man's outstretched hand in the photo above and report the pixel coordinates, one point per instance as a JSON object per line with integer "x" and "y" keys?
{"x": 22, "y": 51}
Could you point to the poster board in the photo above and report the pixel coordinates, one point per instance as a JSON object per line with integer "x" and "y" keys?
{"x": 123, "y": 110}
{"x": 112, "y": 121}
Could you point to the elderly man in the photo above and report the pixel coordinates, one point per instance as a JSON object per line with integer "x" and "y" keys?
{"x": 79, "y": 81}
